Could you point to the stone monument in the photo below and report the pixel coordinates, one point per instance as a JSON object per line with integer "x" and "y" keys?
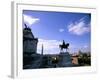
{"x": 64, "y": 55}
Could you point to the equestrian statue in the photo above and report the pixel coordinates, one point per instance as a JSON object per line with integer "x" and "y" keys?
{"x": 64, "y": 45}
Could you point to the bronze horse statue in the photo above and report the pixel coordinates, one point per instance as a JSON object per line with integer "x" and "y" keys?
{"x": 64, "y": 46}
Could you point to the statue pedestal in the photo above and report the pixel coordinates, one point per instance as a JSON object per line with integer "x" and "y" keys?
{"x": 65, "y": 59}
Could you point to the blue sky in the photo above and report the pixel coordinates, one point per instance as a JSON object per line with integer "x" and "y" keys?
{"x": 53, "y": 27}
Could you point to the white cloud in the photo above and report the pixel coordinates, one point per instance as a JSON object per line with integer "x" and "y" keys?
{"x": 61, "y": 30}
{"x": 73, "y": 48}
{"x": 79, "y": 27}
{"x": 50, "y": 46}
{"x": 85, "y": 46}
{"x": 30, "y": 20}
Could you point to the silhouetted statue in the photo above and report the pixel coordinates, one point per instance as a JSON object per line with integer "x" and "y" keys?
{"x": 64, "y": 46}
{"x": 25, "y": 26}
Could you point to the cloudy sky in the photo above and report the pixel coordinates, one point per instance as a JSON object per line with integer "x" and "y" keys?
{"x": 51, "y": 28}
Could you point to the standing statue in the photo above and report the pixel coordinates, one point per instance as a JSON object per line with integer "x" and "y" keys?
{"x": 25, "y": 26}
{"x": 64, "y": 46}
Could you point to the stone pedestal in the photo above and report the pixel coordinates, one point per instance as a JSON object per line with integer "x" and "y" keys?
{"x": 65, "y": 59}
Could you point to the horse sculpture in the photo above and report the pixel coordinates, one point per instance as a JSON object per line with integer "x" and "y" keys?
{"x": 64, "y": 46}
